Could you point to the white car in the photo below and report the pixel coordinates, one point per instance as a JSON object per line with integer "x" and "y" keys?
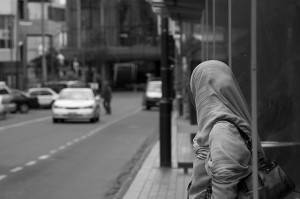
{"x": 6, "y": 95}
{"x": 45, "y": 96}
{"x": 153, "y": 94}
{"x": 2, "y": 109}
{"x": 76, "y": 104}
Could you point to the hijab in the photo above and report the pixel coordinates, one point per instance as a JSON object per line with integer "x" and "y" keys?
{"x": 217, "y": 97}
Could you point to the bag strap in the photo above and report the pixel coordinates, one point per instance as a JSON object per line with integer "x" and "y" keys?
{"x": 263, "y": 161}
{"x": 246, "y": 138}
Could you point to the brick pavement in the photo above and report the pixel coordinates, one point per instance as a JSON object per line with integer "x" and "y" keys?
{"x": 154, "y": 182}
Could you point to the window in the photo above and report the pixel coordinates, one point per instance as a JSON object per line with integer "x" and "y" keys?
{"x": 21, "y": 9}
{"x": 6, "y": 31}
{"x": 34, "y": 93}
{"x": 45, "y": 93}
{"x": 56, "y": 14}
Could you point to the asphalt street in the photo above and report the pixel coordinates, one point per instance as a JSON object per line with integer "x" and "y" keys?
{"x": 40, "y": 159}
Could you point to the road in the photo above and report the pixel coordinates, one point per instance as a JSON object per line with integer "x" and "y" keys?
{"x": 40, "y": 159}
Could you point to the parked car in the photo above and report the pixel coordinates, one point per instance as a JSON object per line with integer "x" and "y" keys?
{"x": 5, "y": 93}
{"x": 76, "y": 104}
{"x": 57, "y": 86}
{"x": 153, "y": 94}
{"x": 45, "y": 96}
{"x": 3, "y": 110}
{"x": 23, "y": 101}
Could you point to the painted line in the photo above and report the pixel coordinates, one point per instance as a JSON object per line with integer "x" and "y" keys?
{"x": 17, "y": 169}
{"x": 31, "y": 163}
{"x": 76, "y": 140}
{"x": 61, "y": 147}
{"x": 53, "y": 151}
{"x": 2, "y": 177}
{"x": 114, "y": 121}
{"x": 89, "y": 134}
{"x": 43, "y": 157}
{"x": 24, "y": 123}
{"x": 69, "y": 143}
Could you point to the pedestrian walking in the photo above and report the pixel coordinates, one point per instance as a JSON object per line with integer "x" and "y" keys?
{"x": 222, "y": 158}
{"x": 106, "y": 95}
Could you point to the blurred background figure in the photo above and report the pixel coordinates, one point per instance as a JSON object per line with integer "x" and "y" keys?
{"x": 106, "y": 95}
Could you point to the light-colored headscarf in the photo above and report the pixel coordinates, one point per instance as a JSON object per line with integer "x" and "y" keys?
{"x": 217, "y": 97}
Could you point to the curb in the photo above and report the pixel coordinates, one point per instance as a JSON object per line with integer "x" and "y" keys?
{"x": 124, "y": 180}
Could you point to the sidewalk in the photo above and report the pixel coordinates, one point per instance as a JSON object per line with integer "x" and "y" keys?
{"x": 154, "y": 182}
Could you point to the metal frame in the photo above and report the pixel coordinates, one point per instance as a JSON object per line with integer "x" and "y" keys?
{"x": 254, "y": 98}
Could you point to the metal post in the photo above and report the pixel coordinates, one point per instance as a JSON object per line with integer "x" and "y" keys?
{"x": 254, "y": 99}
{"x": 78, "y": 21}
{"x": 10, "y": 25}
{"x": 165, "y": 103}
{"x": 17, "y": 46}
{"x": 44, "y": 64}
{"x": 78, "y": 31}
{"x": 207, "y": 29}
{"x": 229, "y": 33}
{"x": 214, "y": 27}
{"x": 202, "y": 36}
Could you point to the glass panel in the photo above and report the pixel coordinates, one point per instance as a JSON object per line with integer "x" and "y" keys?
{"x": 278, "y": 53}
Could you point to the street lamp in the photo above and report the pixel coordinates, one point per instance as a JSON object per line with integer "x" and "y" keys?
{"x": 166, "y": 101}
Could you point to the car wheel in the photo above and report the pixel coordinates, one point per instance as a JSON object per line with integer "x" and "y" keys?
{"x": 24, "y": 108}
{"x": 92, "y": 120}
{"x": 55, "y": 120}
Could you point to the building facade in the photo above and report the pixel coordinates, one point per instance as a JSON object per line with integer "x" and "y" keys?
{"x": 21, "y": 39}
{"x": 8, "y": 42}
{"x": 52, "y": 27}
{"x": 206, "y": 32}
{"x": 103, "y": 33}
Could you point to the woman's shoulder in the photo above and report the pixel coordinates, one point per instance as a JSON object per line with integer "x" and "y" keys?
{"x": 224, "y": 125}
{"x": 223, "y": 129}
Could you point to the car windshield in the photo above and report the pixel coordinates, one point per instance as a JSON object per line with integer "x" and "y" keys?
{"x": 3, "y": 91}
{"x": 76, "y": 94}
{"x": 154, "y": 86}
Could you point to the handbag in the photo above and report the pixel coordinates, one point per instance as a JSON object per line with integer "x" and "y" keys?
{"x": 273, "y": 182}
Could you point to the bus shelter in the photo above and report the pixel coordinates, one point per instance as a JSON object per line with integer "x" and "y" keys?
{"x": 260, "y": 42}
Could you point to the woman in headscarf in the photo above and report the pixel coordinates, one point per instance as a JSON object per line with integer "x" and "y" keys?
{"x": 222, "y": 158}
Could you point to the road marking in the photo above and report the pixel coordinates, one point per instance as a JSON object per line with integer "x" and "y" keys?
{"x": 2, "y": 177}
{"x": 76, "y": 140}
{"x": 31, "y": 163}
{"x": 43, "y": 157}
{"x": 69, "y": 143}
{"x": 89, "y": 134}
{"x": 113, "y": 122}
{"x": 53, "y": 151}
{"x": 17, "y": 169}
{"x": 61, "y": 147}
{"x": 24, "y": 123}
